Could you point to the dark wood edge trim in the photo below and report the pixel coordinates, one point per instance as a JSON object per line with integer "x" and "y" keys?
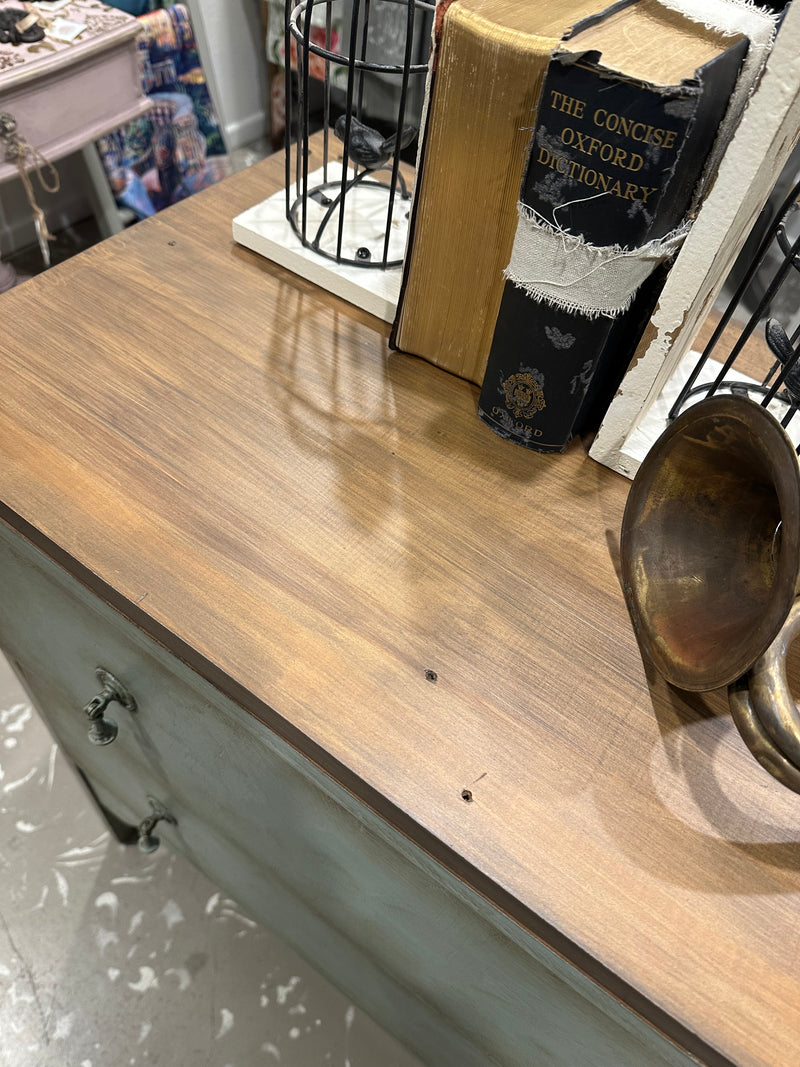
{"x": 549, "y": 935}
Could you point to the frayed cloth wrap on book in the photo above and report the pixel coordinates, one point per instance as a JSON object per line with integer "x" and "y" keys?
{"x": 565, "y": 271}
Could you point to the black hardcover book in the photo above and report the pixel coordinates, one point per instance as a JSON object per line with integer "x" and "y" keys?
{"x": 614, "y": 163}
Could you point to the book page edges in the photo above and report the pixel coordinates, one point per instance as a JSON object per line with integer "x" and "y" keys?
{"x": 473, "y": 171}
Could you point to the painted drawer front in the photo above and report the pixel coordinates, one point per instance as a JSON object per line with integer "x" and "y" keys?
{"x": 432, "y": 961}
{"x": 44, "y": 632}
{"x": 64, "y": 96}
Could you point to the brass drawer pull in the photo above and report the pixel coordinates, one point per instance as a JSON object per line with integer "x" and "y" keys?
{"x": 148, "y": 842}
{"x": 103, "y": 731}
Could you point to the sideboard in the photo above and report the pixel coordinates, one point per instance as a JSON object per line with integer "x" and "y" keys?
{"x": 376, "y": 675}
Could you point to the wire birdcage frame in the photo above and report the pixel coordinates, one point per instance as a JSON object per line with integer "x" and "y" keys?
{"x": 779, "y": 388}
{"x": 345, "y": 212}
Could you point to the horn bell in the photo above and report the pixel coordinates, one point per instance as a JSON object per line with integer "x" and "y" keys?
{"x": 710, "y": 545}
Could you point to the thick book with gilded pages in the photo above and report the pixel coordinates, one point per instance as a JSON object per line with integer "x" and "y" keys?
{"x": 487, "y": 67}
{"x": 630, "y": 108}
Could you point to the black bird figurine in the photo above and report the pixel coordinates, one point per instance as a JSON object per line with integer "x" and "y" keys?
{"x": 367, "y": 146}
{"x": 781, "y": 346}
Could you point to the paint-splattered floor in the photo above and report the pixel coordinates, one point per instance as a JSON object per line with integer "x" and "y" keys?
{"x": 109, "y": 958}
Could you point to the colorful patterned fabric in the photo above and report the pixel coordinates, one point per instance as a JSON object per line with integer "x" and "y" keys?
{"x": 177, "y": 148}
{"x": 135, "y": 7}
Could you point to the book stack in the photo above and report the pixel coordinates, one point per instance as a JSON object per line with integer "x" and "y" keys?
{"x": 538, "y": 247}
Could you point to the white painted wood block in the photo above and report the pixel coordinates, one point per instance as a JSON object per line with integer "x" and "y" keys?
{"x": 751, "y": 165}
{"x": 265, "y": 229}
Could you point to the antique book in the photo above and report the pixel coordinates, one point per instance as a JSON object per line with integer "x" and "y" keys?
{"x": 630, "y": 109}
{"x": 487, "y": 66}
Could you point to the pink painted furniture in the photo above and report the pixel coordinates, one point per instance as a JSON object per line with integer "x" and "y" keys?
{"x": 64, "y": 96}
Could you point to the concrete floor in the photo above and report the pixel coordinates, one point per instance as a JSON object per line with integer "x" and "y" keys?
{"x": 110, "y": 958}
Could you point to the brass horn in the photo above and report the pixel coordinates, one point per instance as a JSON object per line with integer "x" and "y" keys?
{"x": 710, "y": 554}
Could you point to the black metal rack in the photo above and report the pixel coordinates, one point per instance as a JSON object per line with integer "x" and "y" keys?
{"x": 334, "y": 192}
{"x": 782, "y": 380}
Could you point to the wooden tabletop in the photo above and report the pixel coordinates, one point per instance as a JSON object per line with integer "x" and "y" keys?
{"x": 235, "y": 460}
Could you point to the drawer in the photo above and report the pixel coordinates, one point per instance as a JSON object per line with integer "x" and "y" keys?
{"x": 448, "y": 973}
{"x": 67, "y": 95}
{"x": 55, "y": 646}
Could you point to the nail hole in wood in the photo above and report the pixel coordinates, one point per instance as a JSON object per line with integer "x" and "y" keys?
{"x": 466, "y": 794}
{"x": 431, "y": 676}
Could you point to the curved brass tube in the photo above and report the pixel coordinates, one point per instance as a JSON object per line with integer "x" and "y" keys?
{"x": 770, "y": 695}
{"x": 710, "y": 544}
{"x": 757, "y": 739}
{"x": 710, "y": 553}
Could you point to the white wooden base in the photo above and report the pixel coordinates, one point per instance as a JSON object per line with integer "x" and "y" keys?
{"x": 265, "y": 229}
{"x": 642, "y": 438}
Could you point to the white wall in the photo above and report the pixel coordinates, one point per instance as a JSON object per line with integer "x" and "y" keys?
{"x": 231, "y": 46}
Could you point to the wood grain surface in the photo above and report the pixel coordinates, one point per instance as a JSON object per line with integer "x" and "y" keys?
{"x": 235, "y": 460}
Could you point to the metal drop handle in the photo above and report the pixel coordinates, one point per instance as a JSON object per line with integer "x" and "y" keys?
{"x": 148, "y": 842}
{"x": 103, "y": 731}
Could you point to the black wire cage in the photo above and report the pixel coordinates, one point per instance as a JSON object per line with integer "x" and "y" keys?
{"x": 767, "y": 297}
{"x": 359, "y": 85}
